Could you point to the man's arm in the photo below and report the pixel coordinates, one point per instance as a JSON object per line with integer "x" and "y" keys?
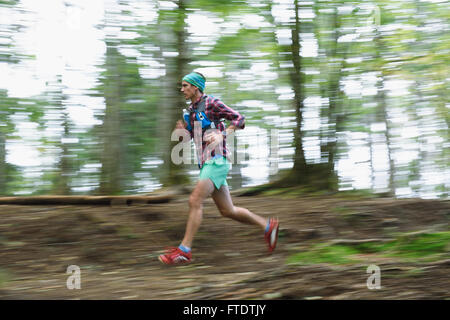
{"x": 220, "y": 110}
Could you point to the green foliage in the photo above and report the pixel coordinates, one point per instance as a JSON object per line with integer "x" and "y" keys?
{"x": 334, "y": 254}
{"x": 356, "y": 194}
{"x": 409, "y": 246}
{"x": 9, "y": 2}
{"x": 240, "y": 43}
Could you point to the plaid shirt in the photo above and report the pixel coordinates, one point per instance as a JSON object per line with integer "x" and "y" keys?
{"x": 215, "y": 110}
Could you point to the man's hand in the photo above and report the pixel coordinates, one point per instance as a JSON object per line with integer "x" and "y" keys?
{"x": 216, "y": 136}
{"x": 231, "y": 129}
{"x": 213, "y": 138}
{"x": 180, "y": 125}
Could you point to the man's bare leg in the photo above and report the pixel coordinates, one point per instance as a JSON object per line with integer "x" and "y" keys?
{"x": 223, "y": 201}
{"x": 203, "y": 189}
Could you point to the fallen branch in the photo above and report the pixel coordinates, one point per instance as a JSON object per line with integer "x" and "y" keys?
{"x": 84, "y": 200}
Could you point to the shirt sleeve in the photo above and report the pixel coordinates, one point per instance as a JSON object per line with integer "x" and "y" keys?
{"x": 220, "y": 110}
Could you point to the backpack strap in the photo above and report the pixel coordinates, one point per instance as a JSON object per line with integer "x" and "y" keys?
{"x": 201, "y": 113}
{"x": 201, "y": 107}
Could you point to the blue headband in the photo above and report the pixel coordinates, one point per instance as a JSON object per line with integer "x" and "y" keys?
{"x": 196, "y": 80}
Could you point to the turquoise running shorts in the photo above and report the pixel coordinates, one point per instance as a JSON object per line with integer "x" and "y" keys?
{"x": 216, "y": 170}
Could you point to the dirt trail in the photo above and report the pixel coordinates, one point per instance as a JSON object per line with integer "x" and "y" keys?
{"x": 117, "y": 248}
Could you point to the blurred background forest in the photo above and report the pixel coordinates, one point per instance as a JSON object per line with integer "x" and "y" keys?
{"x": 337, "y": 95}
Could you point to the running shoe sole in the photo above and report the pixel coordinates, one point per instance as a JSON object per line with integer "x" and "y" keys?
{"x": 272, "y": 235}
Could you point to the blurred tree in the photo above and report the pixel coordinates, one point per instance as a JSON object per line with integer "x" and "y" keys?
{"x": 382, "y": 106}
{"x": 10, "y": 175}
{"x": 65, "y": 167}
{"x": 6, "y": 127}
{"x": 119, "y": 80}
{"x": 6, "y": 56}
{"x": 175, "y": 51}
{"x": 123, "y": 132}
{"x": 316, "y": 175}
{"x": 112, "y": 142}
{"x": 332, "y": 114}
{"x": 300, "y": 173}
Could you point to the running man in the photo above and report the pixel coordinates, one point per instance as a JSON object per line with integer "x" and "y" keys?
{"x": 214, "y": 168}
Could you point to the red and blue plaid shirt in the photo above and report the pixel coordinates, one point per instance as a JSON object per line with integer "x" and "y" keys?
{"x": 215, "y": 110}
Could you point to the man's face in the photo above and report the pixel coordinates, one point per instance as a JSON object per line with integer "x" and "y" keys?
{"x": 189, "y": 91}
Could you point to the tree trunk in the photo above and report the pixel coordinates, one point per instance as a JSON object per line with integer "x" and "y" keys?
{"x": 173, "y": 106}
{"x": 111, "y": 153}
{"x": 299, "y": 171}
{"x": 63, "y": 186}
{"x": 2, "y": 163}
{"x": 382, "y": 116}
{"x": 332, "y": 114}
{"x": 313, "y": 175}
{"x": 61, "y": 182}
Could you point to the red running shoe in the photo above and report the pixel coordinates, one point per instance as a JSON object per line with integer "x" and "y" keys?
{"x": 271, "y": 236}
{"x": 175, "y": 255}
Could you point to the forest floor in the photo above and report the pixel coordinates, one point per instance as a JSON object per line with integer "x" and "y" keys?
{"x": 325, "y": 246}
